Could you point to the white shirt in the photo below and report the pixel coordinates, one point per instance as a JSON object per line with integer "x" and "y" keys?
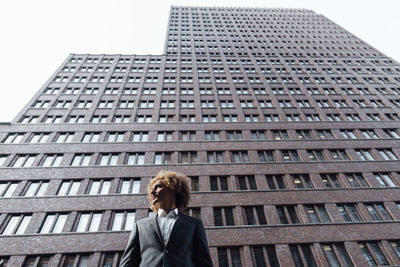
{"x": 166, "y": 222}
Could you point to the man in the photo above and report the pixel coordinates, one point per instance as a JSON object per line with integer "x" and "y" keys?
{"x": 170, "y": 238}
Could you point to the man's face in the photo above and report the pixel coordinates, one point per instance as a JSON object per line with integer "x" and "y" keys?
{"x": 161, "y": 194}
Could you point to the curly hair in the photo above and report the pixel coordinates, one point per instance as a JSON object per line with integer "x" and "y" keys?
{"x": 177, "y": 182}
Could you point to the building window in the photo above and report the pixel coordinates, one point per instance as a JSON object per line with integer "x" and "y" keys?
{"x": 325, "y": 134}
{"x": 64, "y": 137}
{"x": 234, "y": 135}
{"x": 167, "y": 103}
{"x": 317, "y": 214}
{"x": 258, "y": 135}
{"x": 39, "y": 138}
{"x": 99, "y": 187}
{"x": 348, "y": 134}
{"x": 271, "y": 117}
{"x": 387, "y": 154}
{"x": 3, "y": 159}
{"x": 51, "y": 160}
{"x": 349, "y": 212}
{"x": 187, "y": 135}
{"x": 334, "y": 253}
{"x": 115, "y": 137}
{"x": 210, "y": 118}
{"x": 275, "y": 181}
{"x": 75, "y": 119}
{"x": 246, "y": 182}
{"x": 52, "y": 119}
{"x": 16, "y": 224}
{"x": 23, "y": 161}
{"x": 35, "y": 261}
{"x": 140, "y": 136}
{"x": 194, "y": 183}
{"x": 239, "y": 156}
{"x": 99, "y": 119}
{"x": 339, "y": 154}
{"x": 378, "y": 212}
{"x": 219, "y": 183}
{"x": 265, "y": 155}
{"x": 280, "y": 135}
{"x": 76, "y": 260}
{"x": 301, "y": 181}
{"x": 187, "y": 118}
{"x": 290, "y": 155}
{"x": 254, "y": 215}
{"x": 123, "y": 220}
{"x": 369, "y": 134}
{"x": 373, "y": 253}
{"x": 302, "y": 255}
{"x": 229, "y": 256}
{"x": 223, "y": 216}
{"x": 134, "y": 159}
{"x": 129, "y": 186}
{"x": 393, "y": 133}
{"x": 34, "y": 188}
{"x": 164, "y": 136}
{"x": 108, "y": 259}
{"x": 121, "y": 118}
{"x": 143, "y": 118}
{"x": 166, "y": 118}
{"x": 231, "y": 118}
{"x": 215, "y": 156}
{"x": 187, "y": 104}
{"x": 315, "y": 155}
{"x": 7, "y": 189}
{"x": 303, "y": 134}
{"x": 88, "y": 222}
{"x": 29, "y": 119}
{"x": 396, "y": 247}
{"x": 330, "y": 180}
{"x": 364, "y": 154}
{"x": 287, "y": 214}
{"x": 81, "y": 160}
{"x": 188, "y": 157}
{"x": 13, "y": 138}
{"x": 260, "y": 259}
{"x": 162, "y": 157}
{"x": 69, "y": 188}
{"x": 212, "y": 135}
{"x": 54, "y": 223}
{"x": 146, "y": 104}
{"x": 90, "y": 137}
{"x": 83, "y": 104}
{"x": 108, "y": 159}
{"x": 385, "y": 180}
{"x": 126, "y": 104}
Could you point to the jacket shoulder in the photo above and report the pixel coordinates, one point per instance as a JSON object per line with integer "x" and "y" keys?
{"x": 146, "y": 220}
{"x": 190, "y": 218}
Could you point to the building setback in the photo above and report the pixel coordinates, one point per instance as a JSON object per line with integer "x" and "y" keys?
{"x": 287, "y": 125}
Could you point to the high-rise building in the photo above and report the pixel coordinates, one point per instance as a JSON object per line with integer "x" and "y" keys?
{"x": 287, "y": 125}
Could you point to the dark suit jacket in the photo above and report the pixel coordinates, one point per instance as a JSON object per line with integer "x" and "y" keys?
{"x": 186, "y": 247}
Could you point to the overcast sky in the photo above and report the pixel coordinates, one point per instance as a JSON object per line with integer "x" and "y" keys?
{"x": 37, "y": 36}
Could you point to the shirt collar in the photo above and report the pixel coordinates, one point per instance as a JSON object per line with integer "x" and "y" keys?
{"x": 163, "y": 213}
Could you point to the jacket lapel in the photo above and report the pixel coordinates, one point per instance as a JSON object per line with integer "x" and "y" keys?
{"x": 154, "y": 223}
{"x": 177, "y": 224}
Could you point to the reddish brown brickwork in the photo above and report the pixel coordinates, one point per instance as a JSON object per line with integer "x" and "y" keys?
{"x": 287, "y": 124}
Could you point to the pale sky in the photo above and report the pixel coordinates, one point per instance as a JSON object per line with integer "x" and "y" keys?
{"x": 37, "y": 36}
